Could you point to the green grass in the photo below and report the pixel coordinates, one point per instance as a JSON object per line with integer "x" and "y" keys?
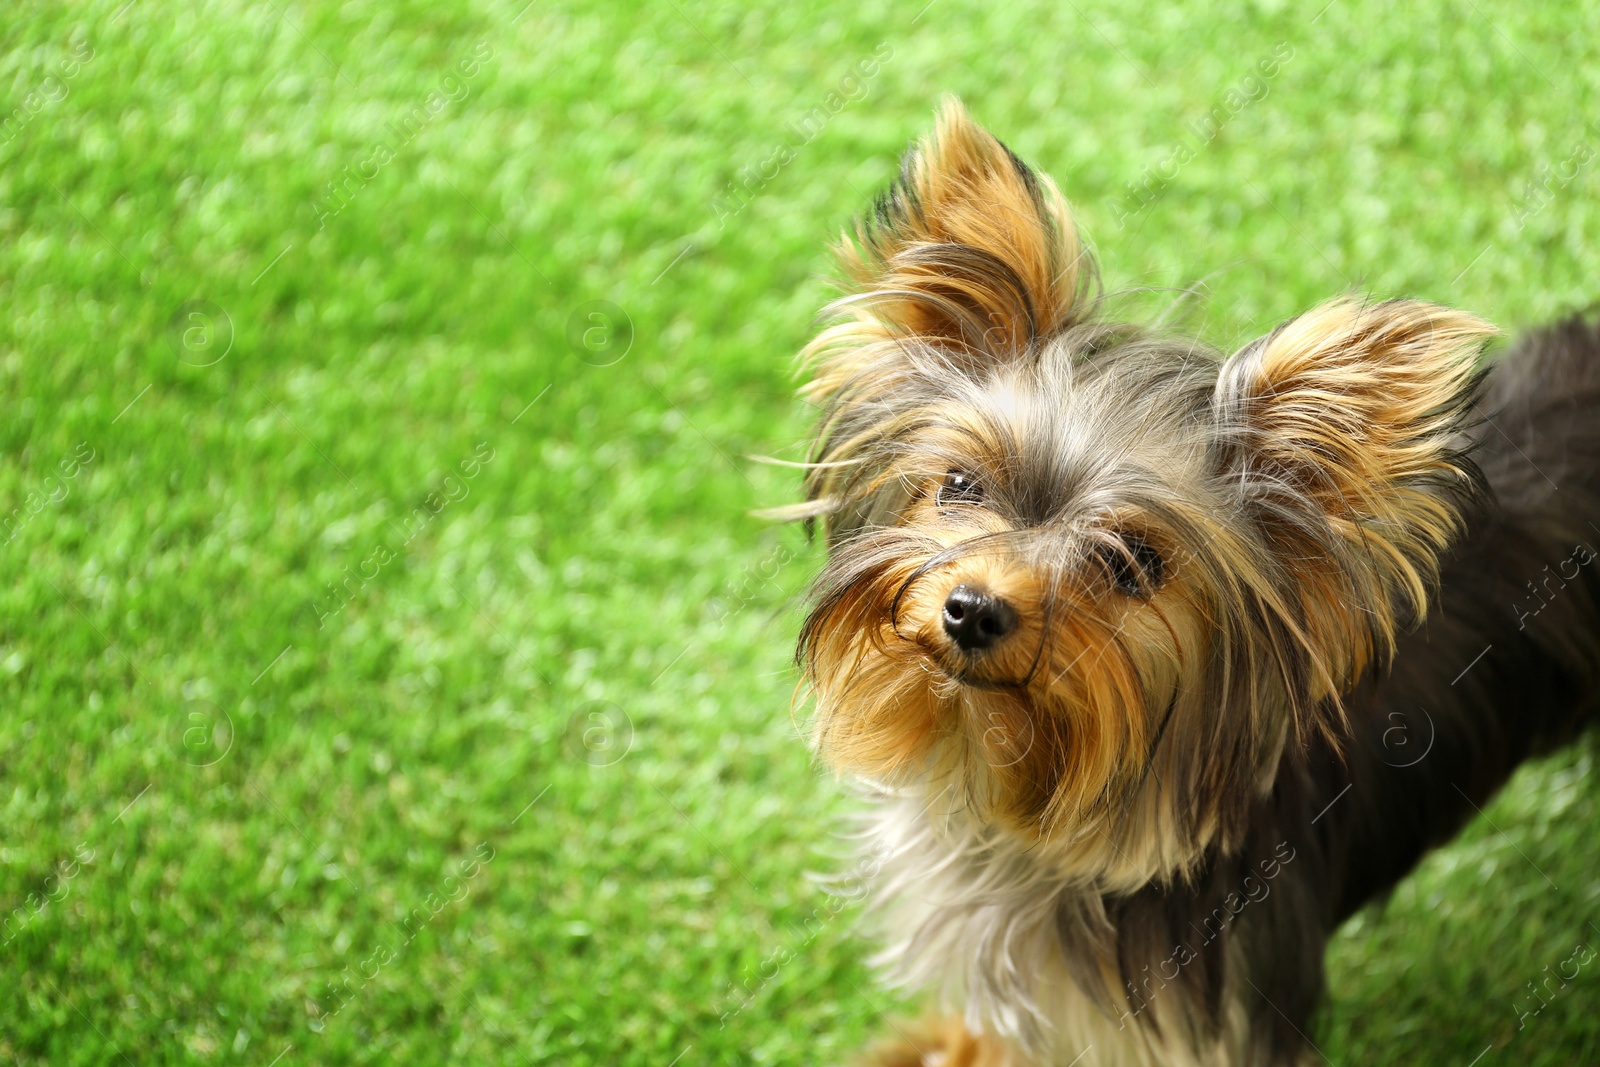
{"x": 239, "y": 806}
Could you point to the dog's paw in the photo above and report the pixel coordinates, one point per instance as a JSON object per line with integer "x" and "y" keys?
{"x": 939, "y": 1043}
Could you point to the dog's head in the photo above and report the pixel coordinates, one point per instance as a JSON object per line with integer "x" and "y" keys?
{"x": 1089, "y": 577}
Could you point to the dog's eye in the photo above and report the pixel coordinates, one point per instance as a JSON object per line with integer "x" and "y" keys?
{"x": 1135, "y": 568}
{"x": 958, "y": 488}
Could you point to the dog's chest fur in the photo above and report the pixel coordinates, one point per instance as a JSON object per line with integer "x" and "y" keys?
{"x": 998, "y": 933}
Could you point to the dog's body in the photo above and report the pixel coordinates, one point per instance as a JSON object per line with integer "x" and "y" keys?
{"x": 1126, "y": 638}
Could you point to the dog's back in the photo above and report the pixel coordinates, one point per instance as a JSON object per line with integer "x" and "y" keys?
{"x": 1508, "y": 664}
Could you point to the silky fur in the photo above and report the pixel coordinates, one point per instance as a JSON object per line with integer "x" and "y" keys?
{"x": 1054, "y": 820}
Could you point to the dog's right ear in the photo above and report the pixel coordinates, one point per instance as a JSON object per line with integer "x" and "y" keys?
{"x": 967, "y": 262}
{"x": 969, "y": 250}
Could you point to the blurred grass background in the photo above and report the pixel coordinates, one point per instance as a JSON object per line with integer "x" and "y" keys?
{"x": 390, "y": 669}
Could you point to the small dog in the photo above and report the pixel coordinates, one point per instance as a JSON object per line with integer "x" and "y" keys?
{"x": 1157, "y": 665}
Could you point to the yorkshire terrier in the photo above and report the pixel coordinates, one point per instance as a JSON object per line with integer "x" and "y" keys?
{"x": 1118, "y": 632}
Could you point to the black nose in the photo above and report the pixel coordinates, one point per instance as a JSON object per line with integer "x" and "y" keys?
{"x": 975, "y": 620}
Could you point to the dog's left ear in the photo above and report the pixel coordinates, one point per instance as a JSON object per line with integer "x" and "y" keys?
{"x": 1346, "y": 429}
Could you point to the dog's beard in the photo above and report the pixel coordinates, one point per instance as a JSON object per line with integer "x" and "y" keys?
{"x": 1047, "y": 734}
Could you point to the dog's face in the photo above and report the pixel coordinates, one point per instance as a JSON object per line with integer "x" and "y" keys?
{"x": 1086, "y": 576}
